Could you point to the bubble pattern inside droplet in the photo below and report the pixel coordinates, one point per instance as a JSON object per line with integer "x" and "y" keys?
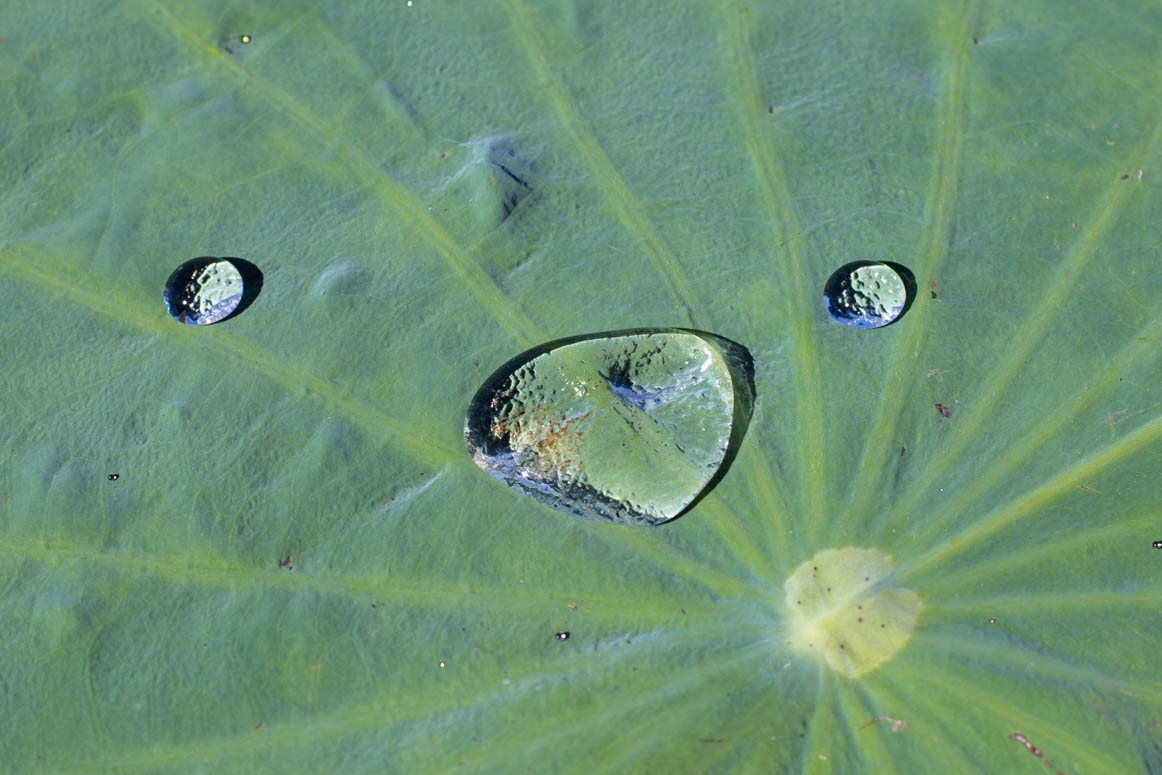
{"x": 866, "y": 295}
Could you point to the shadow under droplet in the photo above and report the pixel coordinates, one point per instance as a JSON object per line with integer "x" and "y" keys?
{"x": 909, "y": 286}
{"x": 741, "y": 365}
{"x": 251, "y": 284}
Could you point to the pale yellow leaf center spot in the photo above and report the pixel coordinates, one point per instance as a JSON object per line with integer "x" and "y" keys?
{"x": 844, "y": 610}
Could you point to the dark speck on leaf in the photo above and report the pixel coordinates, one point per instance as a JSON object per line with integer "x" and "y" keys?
{"x": 975, "y": 40}
{"x": 944, "y": 410}
{"x": 1157, "y": 544}
{"x": 562, "y": 636}
{"x": 114, "y": 477}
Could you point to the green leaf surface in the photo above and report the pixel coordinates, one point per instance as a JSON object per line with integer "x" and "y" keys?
{"x": 299, "y": 568}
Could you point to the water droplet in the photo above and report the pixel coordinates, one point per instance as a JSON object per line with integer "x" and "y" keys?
{"x": 869, "y": 294}
{"x": 208, "y": 290}
{"x": 562, "y": 636}
{"x": 244, "y": 38}
{"x": 1157, "y": 544}
{"x": 992, "y": 620}
{"x": 630, "y": 427}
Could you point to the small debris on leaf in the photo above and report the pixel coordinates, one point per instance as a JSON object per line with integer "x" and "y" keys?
{"x": 898, "y": 724}
{"x": 1034, "y": 750}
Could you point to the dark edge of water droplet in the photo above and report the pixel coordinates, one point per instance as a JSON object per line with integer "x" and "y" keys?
{"x": 739, "y": 363}
{"x": 832, "y": 287}
{"x": 909, "y": 287}
{"x": 251, "y": 285}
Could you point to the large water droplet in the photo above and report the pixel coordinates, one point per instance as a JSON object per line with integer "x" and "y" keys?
{"x": 867, "y": 294}
{"x": 629, "y": 426}
{"x": 208, "y": 290}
